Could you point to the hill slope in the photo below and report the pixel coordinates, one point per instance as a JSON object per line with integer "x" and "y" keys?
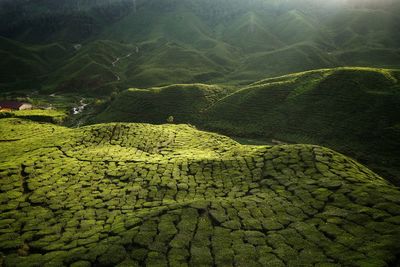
{"x": 25, "y": 66}
{"x": 137, "y": 194}
{"x": 354, "y": 110}
{"x": 190, "y": 41}
{"x": 184, "y": 102}
{"x": 333, "y": 102}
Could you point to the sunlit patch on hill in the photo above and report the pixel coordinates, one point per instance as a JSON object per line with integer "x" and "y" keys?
{"x": 139, "y": 194}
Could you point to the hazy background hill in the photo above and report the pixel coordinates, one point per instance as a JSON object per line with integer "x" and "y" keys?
{"x": 163, "y": 42}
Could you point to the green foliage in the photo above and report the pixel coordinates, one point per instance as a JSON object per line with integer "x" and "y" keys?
{"x": 160, "y": 43}
{"x": 51, "y": 116}
{"x": 182, "y": 102}
{"x": 170, "y": 119}
{"x": 108, "y": 195}
{"x": 354, "y": 110}
{"x": 114, "y": 255}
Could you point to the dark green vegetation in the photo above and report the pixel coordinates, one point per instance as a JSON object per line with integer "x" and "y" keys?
{"x": 101, "y": 46}
{"x": 356, "y": 111}
{"x": 185, "y": 102}
{"x": 59, "y": 68}
{"x": 353, "y": 110}
{"x": 51, "y": 116}
{"x": 137, "y": 194}
{"x": 68, "y": 20}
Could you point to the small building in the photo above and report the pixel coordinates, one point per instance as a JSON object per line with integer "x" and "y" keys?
{"x": 26, "y": 106}
{"x": 14, "y": 105}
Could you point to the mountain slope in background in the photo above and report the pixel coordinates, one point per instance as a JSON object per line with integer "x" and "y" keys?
{"x": 354, "y": 110}
{"x": 189, "y": 41}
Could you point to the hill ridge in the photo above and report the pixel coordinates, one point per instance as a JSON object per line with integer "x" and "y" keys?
{"x": 182, "y": 42}
{"x": 347, "y": 101}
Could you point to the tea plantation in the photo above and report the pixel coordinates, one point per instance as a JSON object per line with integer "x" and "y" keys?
{"x": 352, "y": 110}
{"x": 123, "y": 194}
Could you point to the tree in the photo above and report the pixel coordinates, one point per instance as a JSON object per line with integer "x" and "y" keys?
{"x": 170, "y": 119}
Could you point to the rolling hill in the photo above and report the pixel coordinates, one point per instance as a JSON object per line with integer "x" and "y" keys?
{"x": 353, "y": 110}
{"x": 356, "y": 111}
{"x": 184, "y": 102}
{"x": 124, "y": 194}
{"x": 24, "y": 65}
{"x": 139, "y": 185}
{"x": 224, "y": 42}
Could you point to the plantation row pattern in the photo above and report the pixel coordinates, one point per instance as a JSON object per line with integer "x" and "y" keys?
{"x": 137, "y": 194}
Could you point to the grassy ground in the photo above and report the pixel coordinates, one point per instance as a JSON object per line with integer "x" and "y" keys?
{"x": 137, "y": 194}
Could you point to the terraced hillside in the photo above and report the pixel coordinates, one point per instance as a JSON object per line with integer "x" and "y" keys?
{"x": 185, "y": 102}
{"x": 51, "y": 116}
{"x": 96, "y": 68}
{"x": 329, "y": 103}
{"x": 25, "y": 66}
{"x": 353, "y": 110}
{"x": 138, "y": 194}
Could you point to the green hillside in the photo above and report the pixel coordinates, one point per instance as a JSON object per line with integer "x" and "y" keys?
{"x": 170, "y": 195}
{"x": 184, "y": 102}
{"x": 68, "y": 21}
{"x": 91, "y": 69}
{"x": 325, "y": 102}
{"x": 196, "y": 133}
{"x": 25, "y": 66}
{"x": 160, "y": 42}
{"x": 289, "y": 59}
{"x": 50, "y": 116}
{"x": 57, "y": 68}
{"x": 353, "y": 110}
